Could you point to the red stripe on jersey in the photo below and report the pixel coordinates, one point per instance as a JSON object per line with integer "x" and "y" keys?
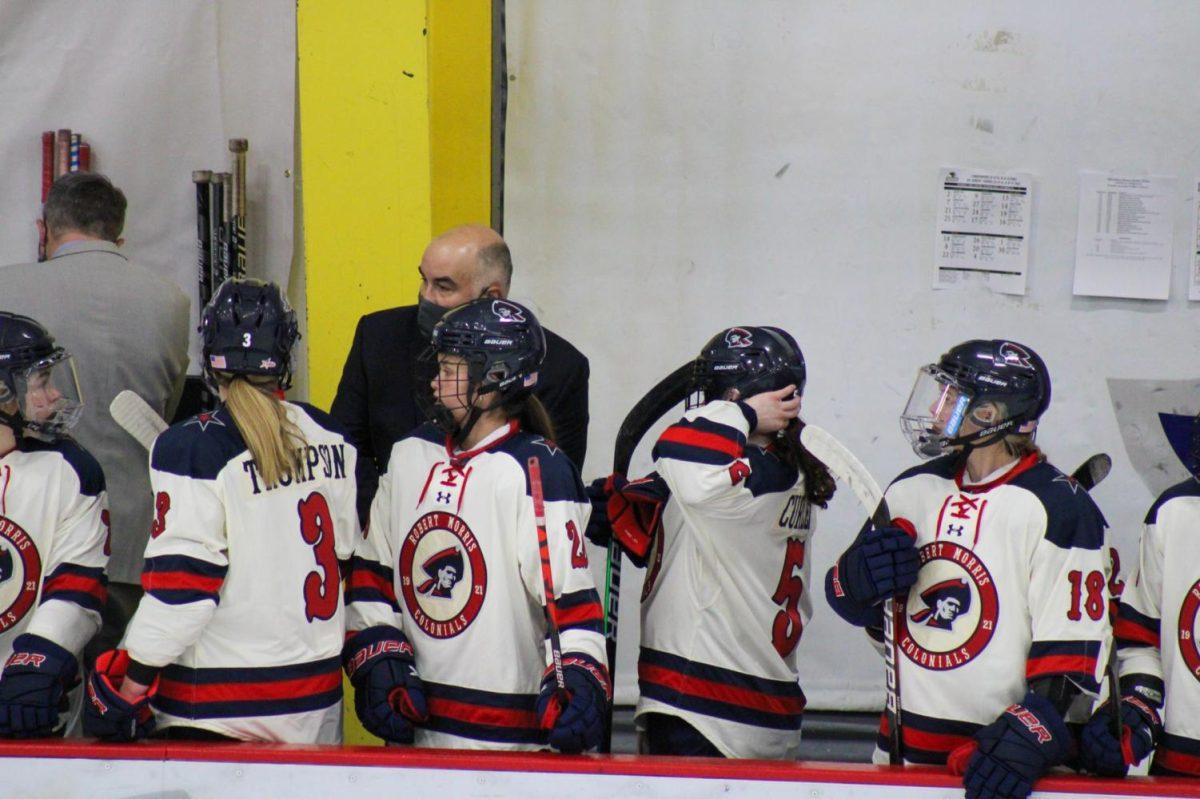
{"x": 180, "y": 581}
{"x": 76, "y": 582}
{"x": 708, "y": 689}
{"x": 365, "y": 578}
{"x": 1060, "y": 664}
{"x": 696, "y": 438}
{"x": 589, "y": 611}
{"x": 1177, "y": 761}
{"x": 192, "y": 692}
{"x": 1132, "y": 632}
{"x": 921, "y": 739}
{"x": 482, "y": 714}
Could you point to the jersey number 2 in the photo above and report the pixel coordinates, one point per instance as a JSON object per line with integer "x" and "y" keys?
{"x": 785, "y": 632}
{"x": 320, "y": 587}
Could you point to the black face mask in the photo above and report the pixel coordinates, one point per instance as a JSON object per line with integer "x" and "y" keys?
{"x": 428, "y": 315}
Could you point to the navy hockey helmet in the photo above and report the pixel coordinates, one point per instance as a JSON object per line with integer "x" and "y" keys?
{"x": 964, "y": 378}
{"x": 750, "y": 359}
{"x": 39, "y": 389}
{"x": 502, "y": 342}
{"x": 248, "y": 328}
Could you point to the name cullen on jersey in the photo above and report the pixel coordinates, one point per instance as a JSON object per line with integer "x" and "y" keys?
{"x": 331, "y": 459}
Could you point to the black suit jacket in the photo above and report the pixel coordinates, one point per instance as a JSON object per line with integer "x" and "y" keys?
{"x": 375, "y": 398}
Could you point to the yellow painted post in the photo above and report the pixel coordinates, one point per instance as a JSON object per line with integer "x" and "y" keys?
{"x": 395, "y": 145}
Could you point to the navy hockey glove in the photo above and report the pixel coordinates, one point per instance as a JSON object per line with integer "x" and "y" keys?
{"x": 1102, "y": 753}
{"x": 882, "y": 563}
{"x": 106, "y": 714}
{"x": 33, "y": 688}
{"x": 388, "y": 694}
{"x": 1009, "y": 755}
{"x": 576, "y": 721}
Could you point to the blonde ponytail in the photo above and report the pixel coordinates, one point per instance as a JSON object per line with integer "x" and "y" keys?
{"x": 273, "y": 439}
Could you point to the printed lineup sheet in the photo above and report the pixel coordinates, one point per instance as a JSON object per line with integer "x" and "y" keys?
{"x": 1194, "y": 283}
{"x": 983, "y": 229}
{"x": 1123, "y": 242}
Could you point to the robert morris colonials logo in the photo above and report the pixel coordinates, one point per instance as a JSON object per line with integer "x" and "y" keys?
{"x": 443, "y": 576}
{"x": 738, "y": 337}
{"x": 20, "y": 573}
{"x": 952, "y": 610}
{"x": 1186, "y": 630}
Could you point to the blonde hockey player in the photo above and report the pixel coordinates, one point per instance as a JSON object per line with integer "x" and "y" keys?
{"x": 53, "y": 531}
{"x": 997, "y": 562}
{"x": 240, "y": 631}
{"x": 448, "y": 581}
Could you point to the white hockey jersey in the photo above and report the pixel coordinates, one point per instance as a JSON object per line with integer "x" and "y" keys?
{"x": 1157, "y": 626}
{"x": 451, "y": 558}
{"x": 1013, "y": 587}
{"x": 243, "y": 610}
{"x": 53, "y": 544}
{"x": 727, "y": 588}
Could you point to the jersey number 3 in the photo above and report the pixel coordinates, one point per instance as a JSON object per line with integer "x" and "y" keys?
{"x": 785, "y": 632}
{"x": 320, "y": 587}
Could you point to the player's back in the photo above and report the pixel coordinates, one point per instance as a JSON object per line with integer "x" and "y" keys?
{"x": 267, "y": 557}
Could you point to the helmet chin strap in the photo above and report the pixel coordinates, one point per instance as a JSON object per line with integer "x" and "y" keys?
{"x": 460, "y": 432}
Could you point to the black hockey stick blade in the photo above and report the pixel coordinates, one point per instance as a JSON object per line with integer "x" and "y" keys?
{"x": 1093, "y": 471}
{"x": 666, "y": 394}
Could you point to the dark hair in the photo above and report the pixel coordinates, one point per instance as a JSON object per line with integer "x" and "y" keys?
{"x": 531, "y": 413}
{"x": 819, "y": 484}
{"x": 497, "y": 258}
{"x": 85, "y": 202}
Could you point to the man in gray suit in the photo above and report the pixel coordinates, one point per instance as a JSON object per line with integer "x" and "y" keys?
{"x": 128, "y": 328}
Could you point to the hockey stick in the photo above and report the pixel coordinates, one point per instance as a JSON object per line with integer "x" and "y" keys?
{"x": 202, "y": 178}
{"x": 848, "y": 469}
{"x": 137, "y": 418}
{"x": 237, "y": 237}
{"x": 561, "y": 697}
{"x": 666, "y": 394}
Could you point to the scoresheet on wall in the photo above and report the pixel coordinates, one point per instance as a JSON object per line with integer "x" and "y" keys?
{"x": 983, "y": 229}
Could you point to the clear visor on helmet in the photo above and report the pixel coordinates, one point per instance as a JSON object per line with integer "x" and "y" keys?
{"x": 935, "y": 412}
{"x": 48, "y": 397}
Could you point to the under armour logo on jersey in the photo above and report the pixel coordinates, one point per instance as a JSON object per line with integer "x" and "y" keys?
{"x": 738, "y": 337}
{"x": 443, "y": 497}
{"x": 205, "y": 419}
{"x": 507, "y": 312}
{"x": 1013, "y": 355}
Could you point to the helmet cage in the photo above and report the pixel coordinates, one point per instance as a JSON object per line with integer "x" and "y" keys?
{"x": 45, "y": 396}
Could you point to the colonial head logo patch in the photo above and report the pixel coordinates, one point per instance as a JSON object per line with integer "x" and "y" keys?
{"x": 951, "y": 612}
{"x": 443, "y": 576}
{"x": 20, "y": 573}
{"x": 738, "y": 337}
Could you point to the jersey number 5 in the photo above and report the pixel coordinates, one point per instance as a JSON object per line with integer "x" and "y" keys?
{"x": 785, "y": 632}
{"x": 320, "y": 587}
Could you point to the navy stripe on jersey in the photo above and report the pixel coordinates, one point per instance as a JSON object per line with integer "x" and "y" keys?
{"x": 1178, "y": 755}
{"x": 371, "y": 582}
{"x": 86, "y": 586}
{"x": 580, "y": 610}
{"x": 560, "y": 476}
{"x": 322, "y": 419}
{"x": 1188, "y": 488}
{"x": 701, "y": 441}
{"x": 1136, "y": 629}
{"x": 721, "y": 693}
{"x": 768, "y": 474}
{"x": 86, "y": 467}
{"x": 1073, "y": 521}
{"x": 926, "y": 739}
{"x": 1075, "y": 659}
{"x": 245, "y": 692}
{"x": 178, "y": 579}
{"x": 483, "y": 715}
{"x": 199, "y": 447}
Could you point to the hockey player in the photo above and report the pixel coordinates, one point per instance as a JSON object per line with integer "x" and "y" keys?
{"x": 450, "y": 566}
{"x": 996, "y": 559}
{"x": 53, "y": 531}
{"x": 240, "y": 631}
{"x": 726, "y": 595}
{"x": 1156, "y": 638}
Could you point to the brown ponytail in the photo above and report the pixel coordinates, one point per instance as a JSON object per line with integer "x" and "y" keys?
{"x": 819, "y": 484}
{"x": 531, "y": 414}
{"x": 273, "y": 439}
